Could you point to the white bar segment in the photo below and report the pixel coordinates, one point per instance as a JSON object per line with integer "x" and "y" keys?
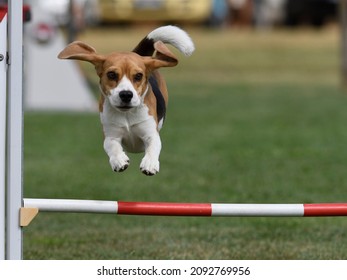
{"x": 257, "y": 210}
{"x": 15, "y": 130}
{"x": 72, "y": 205}
{"x": 3, "y": 83}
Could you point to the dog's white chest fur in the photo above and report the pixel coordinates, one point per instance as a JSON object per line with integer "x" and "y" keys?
{"x": 131, "y": 127}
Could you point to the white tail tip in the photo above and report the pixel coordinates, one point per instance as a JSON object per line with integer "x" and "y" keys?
{"x": 174, "y": 36}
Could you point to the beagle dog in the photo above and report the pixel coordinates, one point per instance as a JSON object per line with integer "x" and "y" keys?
{"x": 134, "y": 95}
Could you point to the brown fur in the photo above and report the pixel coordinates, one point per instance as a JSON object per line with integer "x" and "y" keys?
{"x": 126, "y": 63}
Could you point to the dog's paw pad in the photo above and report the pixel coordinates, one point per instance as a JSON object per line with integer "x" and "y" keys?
{"x": 149, "y": 166}
{"x": 121, "y": 169}
{"x": 147, "y": 173}
{"x": 119, "y": 163}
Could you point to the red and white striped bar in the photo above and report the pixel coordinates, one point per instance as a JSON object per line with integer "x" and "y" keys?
{"x": 187, "y": 209}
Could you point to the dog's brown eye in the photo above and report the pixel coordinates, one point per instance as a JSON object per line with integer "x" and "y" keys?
{"x": 138, "y": 77}
{"x": 112, "y": 76}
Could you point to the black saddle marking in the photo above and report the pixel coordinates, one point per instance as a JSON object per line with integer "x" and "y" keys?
{"x": 161, "y": 106}
{"x": 145, "y": 47}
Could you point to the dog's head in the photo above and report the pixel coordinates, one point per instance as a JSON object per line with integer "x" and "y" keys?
{"x": 123, "y": 75}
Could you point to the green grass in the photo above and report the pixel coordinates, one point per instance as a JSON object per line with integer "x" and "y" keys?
{"x": 253, "y": 118}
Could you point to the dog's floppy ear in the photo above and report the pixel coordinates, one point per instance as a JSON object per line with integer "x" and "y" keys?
{"x": 81, "y": 51}
{"x": 163, "y": 57}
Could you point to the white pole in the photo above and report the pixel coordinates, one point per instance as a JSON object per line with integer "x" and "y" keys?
{"x": 15, "y": 130}
{"x": 3, "y": 48}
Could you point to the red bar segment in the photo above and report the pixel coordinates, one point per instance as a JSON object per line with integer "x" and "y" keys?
{"x": 325, "y": 209}
{"x": 164, "y": 209}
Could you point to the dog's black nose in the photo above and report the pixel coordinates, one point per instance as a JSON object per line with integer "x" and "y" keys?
{"x": 126, "y": 96}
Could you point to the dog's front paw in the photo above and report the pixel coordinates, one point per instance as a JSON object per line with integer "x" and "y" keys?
{"x": 120, "y": 162}
{"x": 149, "y": 166}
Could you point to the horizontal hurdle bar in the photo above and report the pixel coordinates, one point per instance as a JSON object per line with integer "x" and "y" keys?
{"x": 187, "y": 209}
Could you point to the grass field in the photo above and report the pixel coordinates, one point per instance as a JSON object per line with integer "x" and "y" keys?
{"x": 253, "y": 118}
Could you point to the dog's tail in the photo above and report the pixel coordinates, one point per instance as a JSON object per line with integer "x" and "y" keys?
{"x": 167, "y": 34}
